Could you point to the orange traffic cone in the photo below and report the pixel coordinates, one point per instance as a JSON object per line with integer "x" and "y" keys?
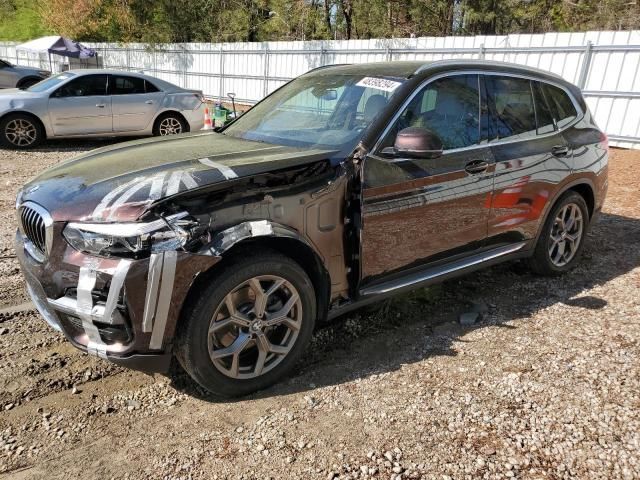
{"x": 207, "y": 119}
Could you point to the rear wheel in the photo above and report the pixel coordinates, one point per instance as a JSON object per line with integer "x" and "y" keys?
{"x": 562, "y": 238}
{"x": 20, "y": 131}
{"x": 170, "y": 124}
{"x": 249, "y": 326}
{"x": 28, "y": 82}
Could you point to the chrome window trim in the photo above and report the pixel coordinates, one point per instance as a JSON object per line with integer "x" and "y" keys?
{"x": 48, "y": 231}
{"x": 453, "y": 73}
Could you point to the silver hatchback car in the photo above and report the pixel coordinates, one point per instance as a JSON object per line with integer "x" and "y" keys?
{"x": 97, "y": 103}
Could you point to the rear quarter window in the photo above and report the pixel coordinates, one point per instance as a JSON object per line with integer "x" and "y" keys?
{"x": 561, "y": 105}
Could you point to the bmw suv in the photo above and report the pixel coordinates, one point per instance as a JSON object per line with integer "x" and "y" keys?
{"x": 345, "y": 186}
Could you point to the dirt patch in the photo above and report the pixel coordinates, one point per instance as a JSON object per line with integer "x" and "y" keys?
{"x": 546, "y": 385}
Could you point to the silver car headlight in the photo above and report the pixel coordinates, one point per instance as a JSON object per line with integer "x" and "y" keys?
{"x": 129, "y": 239}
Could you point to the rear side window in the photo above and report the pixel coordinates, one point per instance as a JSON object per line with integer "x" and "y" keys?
{"x": 511, "y": 110}
{"x": 150, "y": 87}
{"x": 122, "y": 85}
{"x": 544, "y": 117}
{"x": 561, "y": 105}
{"x": 85, "y": 86}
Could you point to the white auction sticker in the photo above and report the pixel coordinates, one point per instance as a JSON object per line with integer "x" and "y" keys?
{"x": 379, "y": 84}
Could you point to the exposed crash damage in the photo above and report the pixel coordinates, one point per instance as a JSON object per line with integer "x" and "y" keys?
{"x": 225, "y": 249}
{"x": 294, "y": 207}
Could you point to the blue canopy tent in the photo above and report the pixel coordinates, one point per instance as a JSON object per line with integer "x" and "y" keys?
{"x": 58, "y": 45}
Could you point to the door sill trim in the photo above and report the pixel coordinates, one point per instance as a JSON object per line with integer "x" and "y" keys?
{"x": 433, "y": 273}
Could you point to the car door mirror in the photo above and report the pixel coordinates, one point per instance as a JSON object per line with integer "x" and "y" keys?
{"x": 417, "y": 142}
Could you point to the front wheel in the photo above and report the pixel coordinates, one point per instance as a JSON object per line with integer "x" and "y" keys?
{"x": 562, "y": 238}
{"x": 249, "y": 326}
{"x": 20, "y": 131}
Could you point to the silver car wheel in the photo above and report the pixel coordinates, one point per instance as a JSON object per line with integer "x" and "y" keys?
{"x": 255, "y": 327}
{"x": 170, "y": 126}
{"x": 566, "y": 235}
{"x": 21, "y": 132}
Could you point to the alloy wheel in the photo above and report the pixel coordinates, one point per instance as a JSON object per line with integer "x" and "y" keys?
{"x": 566, "y": 235}
{"x": 21, "y": 132}
{"x": 255, "y": 327}
{"x": 170, "y": 126}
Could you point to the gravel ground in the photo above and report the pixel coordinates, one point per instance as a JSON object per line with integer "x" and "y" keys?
{"x": 545, "y": 386}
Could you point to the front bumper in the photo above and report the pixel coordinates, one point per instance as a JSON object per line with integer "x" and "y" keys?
{"x": 122, "y": 310}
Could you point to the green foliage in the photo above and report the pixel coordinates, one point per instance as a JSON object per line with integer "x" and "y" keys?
{"x": 177, "y": 21}
{"x": 20, "y": 20}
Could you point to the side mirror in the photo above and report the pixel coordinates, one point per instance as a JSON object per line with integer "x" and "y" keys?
{"x": 330, "y": 95}
{"x": 417, "y": 142}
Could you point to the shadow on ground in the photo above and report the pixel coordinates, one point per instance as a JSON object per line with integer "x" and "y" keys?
{"x": 381, "y": 339}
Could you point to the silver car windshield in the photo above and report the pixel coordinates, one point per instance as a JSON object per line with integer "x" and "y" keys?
{"x": 317, "y": 111}
{"x": 51, "y": 82}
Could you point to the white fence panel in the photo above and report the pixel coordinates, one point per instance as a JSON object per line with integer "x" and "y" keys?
{"x": 604, "y": 64}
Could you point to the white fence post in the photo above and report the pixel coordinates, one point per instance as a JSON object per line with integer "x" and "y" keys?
{"x": 265, "y": 89}
{"x": 586, "y": 64}
{"x": 221, "y": 77}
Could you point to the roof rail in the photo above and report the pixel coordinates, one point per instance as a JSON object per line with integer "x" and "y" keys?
{"x": 327, "y": 66}
{"x": 471, "y": 62}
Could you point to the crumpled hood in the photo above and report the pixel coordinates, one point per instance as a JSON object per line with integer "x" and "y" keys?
{"x": 117, "y": 183}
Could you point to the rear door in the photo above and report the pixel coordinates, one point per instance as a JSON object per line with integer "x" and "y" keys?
{"x": 418, "y": 211}
{"x": 81, "y": 106}
{"x": 135, "y": 102}
{"x": 531, "y": 156}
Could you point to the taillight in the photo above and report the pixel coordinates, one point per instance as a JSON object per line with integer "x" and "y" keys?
{"x": 604, "y": 140}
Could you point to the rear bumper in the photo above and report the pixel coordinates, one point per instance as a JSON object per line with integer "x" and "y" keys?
{"x": 195, "y": 118}
{"x": 124, "y": 311}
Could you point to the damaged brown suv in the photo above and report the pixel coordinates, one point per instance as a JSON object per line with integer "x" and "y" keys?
{"x": 345, "y": 186}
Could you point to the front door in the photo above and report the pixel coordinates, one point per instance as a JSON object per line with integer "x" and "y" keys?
{"x": 417, "y": 211}
{"x": 135, "y": 102}
{"x": 81, "y": 106}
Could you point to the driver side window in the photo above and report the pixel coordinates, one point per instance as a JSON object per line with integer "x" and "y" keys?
{"x": 85, "y": 86}
{"x": 449, "y": 107}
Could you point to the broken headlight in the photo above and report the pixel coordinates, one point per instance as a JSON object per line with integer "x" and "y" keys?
{"x": 129, "y": 239}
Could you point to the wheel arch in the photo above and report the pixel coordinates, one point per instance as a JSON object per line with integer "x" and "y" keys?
{"x": 28, "y": 78}
{"x": 281, "y": 239}
{"x": 583, "y": 186}
{"x": 28, "y": 114}
{"x": 165, "y": 113}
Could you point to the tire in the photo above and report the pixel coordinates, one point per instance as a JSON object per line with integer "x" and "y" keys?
{"x": 29, "y": 82}
{"x": 170, "y": 124}
{"x": 20, "y": 131}
{"x": 557, "y": 252}
{"x": 205, "y": 356}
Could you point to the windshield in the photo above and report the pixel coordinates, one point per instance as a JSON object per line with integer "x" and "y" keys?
{"x": 50, "y": 82}
{"x": 4, "y": 63}
{"x": 321, "y": 110}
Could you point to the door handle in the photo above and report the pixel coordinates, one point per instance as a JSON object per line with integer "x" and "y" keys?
{"x": 560, "y": 151}
{"x": 476, "y": 166}
{"x": 100, "y": 105}
{"x": 149, "y": 102}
